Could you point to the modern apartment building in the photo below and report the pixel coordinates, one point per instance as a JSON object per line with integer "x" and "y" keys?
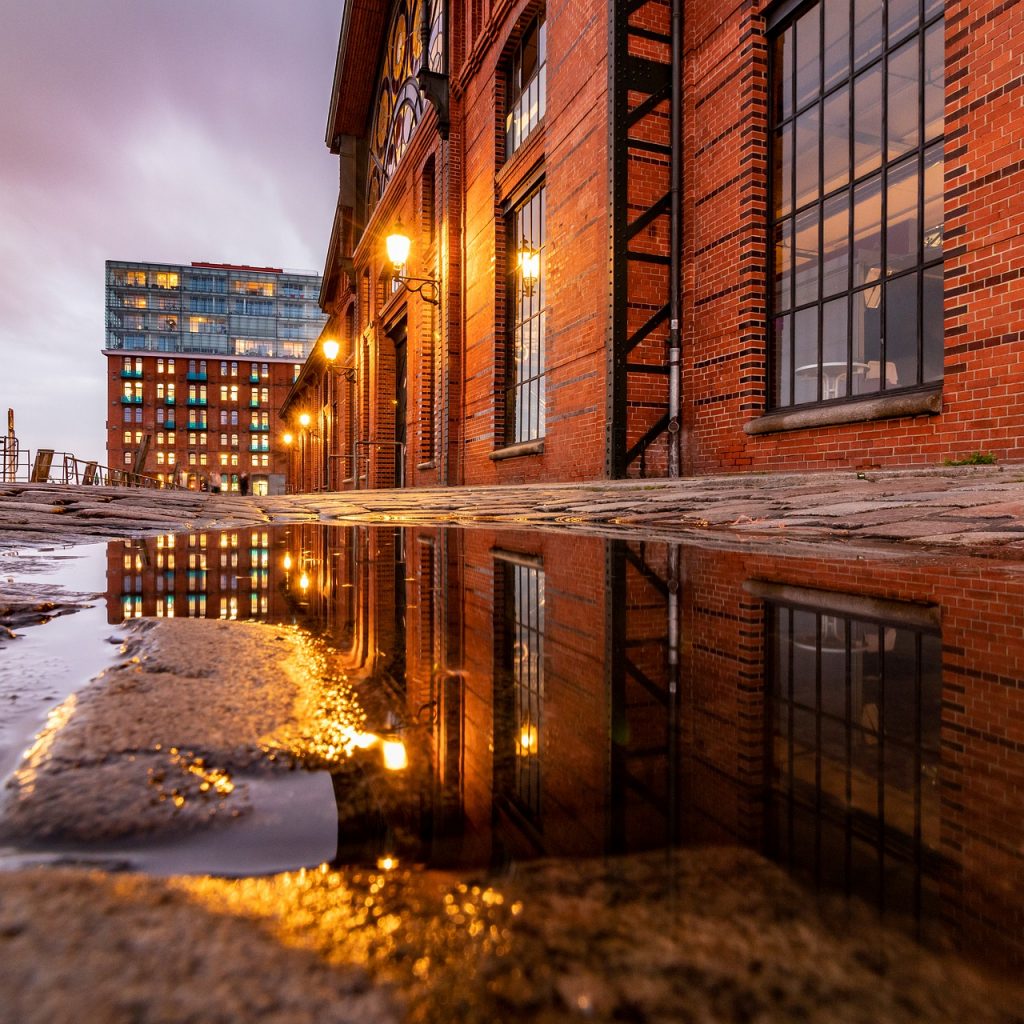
{"x": 657, "y": 238}
{"x": 199, "y": 360}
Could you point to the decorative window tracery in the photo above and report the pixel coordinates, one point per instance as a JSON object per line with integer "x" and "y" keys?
{"x": 399, "y": 106}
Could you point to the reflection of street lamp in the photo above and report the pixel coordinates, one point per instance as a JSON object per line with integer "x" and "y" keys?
{"x": 396, "y": 759}
{"x": 303, "y": 443}
{"x": 287, "y": 562}
{"x": 528, "y": 260}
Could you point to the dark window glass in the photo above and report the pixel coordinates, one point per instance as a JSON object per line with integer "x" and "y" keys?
{"x": 857, "y": 199}
{"x": 527, "y": 85}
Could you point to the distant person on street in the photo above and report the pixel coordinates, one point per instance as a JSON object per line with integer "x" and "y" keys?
{"x": 215, "y": 480}
{"x": 243, "y": 483}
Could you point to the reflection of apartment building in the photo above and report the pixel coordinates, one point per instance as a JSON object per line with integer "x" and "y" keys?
{"x": 199, "y": 360}
{"x": 783, "y": 238}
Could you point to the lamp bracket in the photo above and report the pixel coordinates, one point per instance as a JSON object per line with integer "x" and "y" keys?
{"x": 427, "y": 288}
{"x": 434, "y": 89}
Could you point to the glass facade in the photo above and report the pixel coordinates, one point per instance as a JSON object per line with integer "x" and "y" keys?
{"x": 857, "y": 111}
{"x": 230, "y": 311}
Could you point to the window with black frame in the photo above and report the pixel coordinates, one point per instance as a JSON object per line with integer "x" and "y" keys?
{"x": 527, "y": 85}
{"x": 857, "y": 111}
{"x": 525, "y": 309}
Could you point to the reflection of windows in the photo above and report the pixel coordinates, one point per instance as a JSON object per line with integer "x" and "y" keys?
{"x": 524, "y": 637}
{"x": 856, "y": 710}
{"x": 525, "y": 358}
{"x": 857, "y": 197}
{"x": 527, "y": 85}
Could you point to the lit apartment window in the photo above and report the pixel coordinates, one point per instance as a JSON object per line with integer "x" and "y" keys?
{"x": 159, "y": 387}
{"x": 234, "y": 393}
{"x": 170, "y": 458}
{"x": 159, "y": 366}
{"x": 166, "y": 279}
{"x": 223, "y": 440}
{"x": 234, "y": 458}
{"x": 170, "y": 367}
{"x": 525, "y": 356}
{"x": 128, "y": 457}
{"x": 264, "y": 370}
{"x": 223, "y": 395}
{"x": 234, "y": 369}
{"x": 170, "y": 392}
{"x": 254, "y": 397}
{"x": 255, "y": 460}
{"x": 202, "y": 458}
{"x": 127, "y": 437}
{"x": 223, "y": 458}
{"x": 857, "y": 196}
{"x": 202, "y": 437}
{"x": 296, "y": 370}
{"x": 136, "y": 278}
{"x": 159, "y": 458}
{"x": 170, "y": 437}
{"x": 159, "y": 437}
{"x": 527, "y": 85}
{"x": 234, "y": 440}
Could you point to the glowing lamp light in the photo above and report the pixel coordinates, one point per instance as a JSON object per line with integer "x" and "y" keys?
{"x": 331, "y": 349}
{"x": 304, "y": 582}
{"x": 398, "y": 244}
{"x": 395, "y": 757}
{"x": 529, "y": 265}
{"x": 287, "y": 438}
{"x": 527, "y": 740}
{"x": 287, "y": 562}
{"x": 304, "y": 420}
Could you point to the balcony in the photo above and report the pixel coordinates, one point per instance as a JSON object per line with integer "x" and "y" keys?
{"x": 197, "y": 425}
{"x": 170, "y": 400}
{"x": 197, "y": 401}
{"x": 259, "y": 428}
{"x": 254, "y": 378}
{"x": 131, "y": 375}
{"x": 196, "y": 376}
{"x": 131, "y": 399}
{"x": 254, "y": 403}
{"x": 168, "y": 424}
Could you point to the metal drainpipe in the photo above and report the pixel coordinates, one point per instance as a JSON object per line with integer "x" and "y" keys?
{"x": 675, "y": 241}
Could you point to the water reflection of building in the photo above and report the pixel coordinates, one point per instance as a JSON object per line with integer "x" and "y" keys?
{"x": 578, "y": 697}
{"x": 226, "y": 574}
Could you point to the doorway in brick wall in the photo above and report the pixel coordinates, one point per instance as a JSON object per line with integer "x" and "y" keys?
{"x": 399, "y": 336}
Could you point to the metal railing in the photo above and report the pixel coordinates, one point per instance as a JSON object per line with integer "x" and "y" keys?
{"x": 52, "y": 467}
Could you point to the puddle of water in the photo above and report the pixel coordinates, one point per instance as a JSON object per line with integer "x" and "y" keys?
{"x": 860, "y": 723}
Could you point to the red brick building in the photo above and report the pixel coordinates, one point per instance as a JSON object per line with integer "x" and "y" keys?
{"x": 199, "y": 360}
{"x": 657, "y": 238}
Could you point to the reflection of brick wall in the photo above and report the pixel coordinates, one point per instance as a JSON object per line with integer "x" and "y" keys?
{"x": 981, "y": 773}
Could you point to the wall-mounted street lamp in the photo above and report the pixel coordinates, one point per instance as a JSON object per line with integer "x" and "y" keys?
{"x": 331, "y": 350}
{"x": 398, "y": 245}
{"x": 287, "y": 437}
{"x": 304, "y": 420}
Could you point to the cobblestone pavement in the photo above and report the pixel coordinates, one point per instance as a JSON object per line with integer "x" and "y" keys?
{"x": 961, "y": 508}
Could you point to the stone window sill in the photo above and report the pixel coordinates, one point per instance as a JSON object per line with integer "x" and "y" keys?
{"x": 922, "y": 402}
{"x": 515, "y": 451}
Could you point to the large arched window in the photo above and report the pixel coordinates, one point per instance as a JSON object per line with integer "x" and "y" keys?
{"x": 399, "y": 106}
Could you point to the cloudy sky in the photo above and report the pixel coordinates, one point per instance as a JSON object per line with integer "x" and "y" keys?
{"x": 161, "y": 130}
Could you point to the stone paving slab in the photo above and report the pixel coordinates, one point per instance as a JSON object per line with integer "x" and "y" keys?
{"x": 969, "y": 508}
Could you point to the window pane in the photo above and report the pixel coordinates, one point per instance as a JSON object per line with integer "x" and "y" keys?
{"x": 902, "y": 18}
{"x": 835, "y": 340}
{"x": 901, "y": 209}
{"x": 901, "y": 331}
{"x": 807, "y": 139}
{"x": 934, "y": 80}
{"x": 808, "y": 63}
{"x": 867, "y": 229}
{"x": 931, "y": 321}
{"x": 836, "y": 140}
{"x": 933, "y": 213}
{"x": 783, "y": 170}
{"x": 805, "y": 341}
{"x": 837, "y": 41}
{"x": 867, "y": 31}
{"x": 806, "y": 256}
{"x": 783, "y": 263}
{"x": 904, "y": 93}
{"x": 781, "y": 357}
{"x": 784, "y": 60}
{"x": 835, "y": 244}
{"x": 866, "y": 337}
{"x": 867, "y": 121}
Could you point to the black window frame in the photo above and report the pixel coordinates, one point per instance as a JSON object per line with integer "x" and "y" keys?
{"x": 783, "y": 395}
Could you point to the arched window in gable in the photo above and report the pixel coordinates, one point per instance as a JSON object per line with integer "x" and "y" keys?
{"x": 399, "y": 105}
